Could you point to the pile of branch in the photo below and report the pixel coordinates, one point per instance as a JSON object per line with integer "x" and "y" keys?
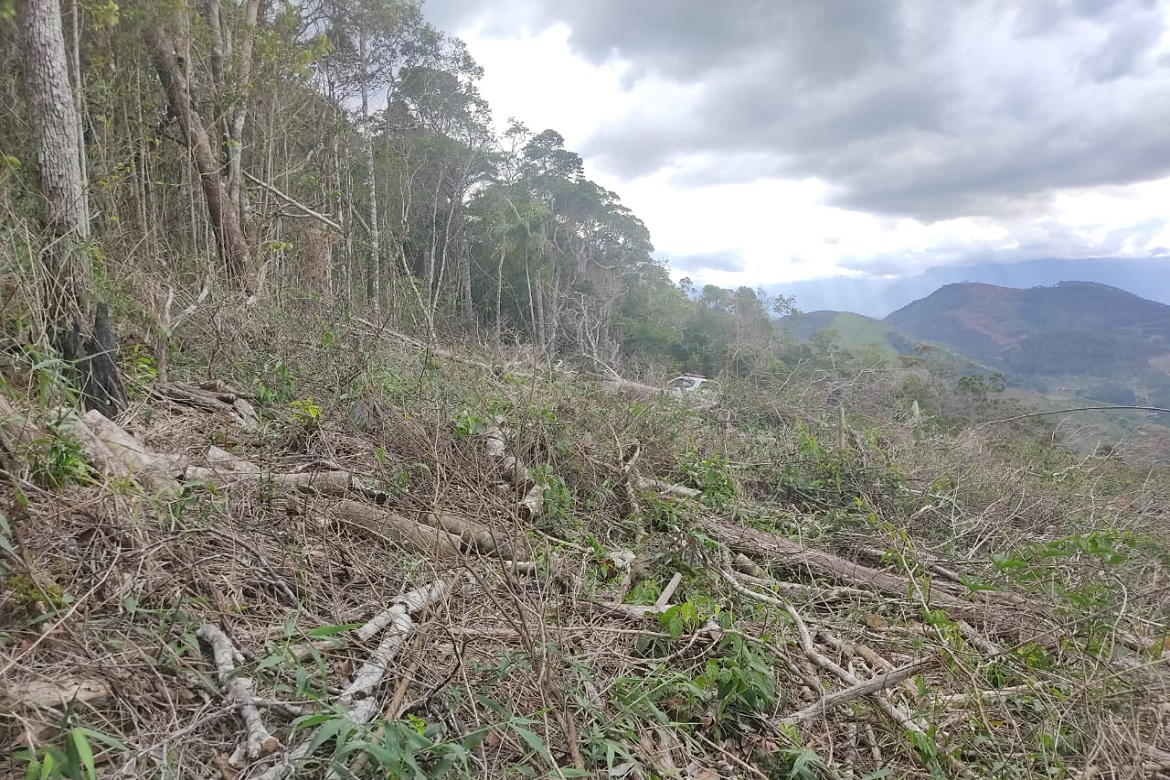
{"x": 357, "y": 701}
{"x": 518, "y": 475}
{"x": 214, "y": 396}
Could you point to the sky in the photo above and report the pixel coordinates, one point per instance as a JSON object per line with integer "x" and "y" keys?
{"x": 767, "y": 141}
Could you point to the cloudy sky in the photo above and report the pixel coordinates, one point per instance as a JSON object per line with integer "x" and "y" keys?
{"x": 765, "y": 141}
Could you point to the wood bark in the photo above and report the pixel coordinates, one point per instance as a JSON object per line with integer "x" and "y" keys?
{"x": 90, "y": 348}
{"x": 238, "y": 116}
{"x": 231, "y": 243}
{"x": 374, "y": 279}
{"x": 1003, "y": 614}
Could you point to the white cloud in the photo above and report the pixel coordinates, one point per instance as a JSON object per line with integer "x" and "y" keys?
{"x": 1016, "y": 97}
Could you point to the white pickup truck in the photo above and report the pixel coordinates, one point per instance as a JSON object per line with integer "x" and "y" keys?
{"x": 690, "y": 385}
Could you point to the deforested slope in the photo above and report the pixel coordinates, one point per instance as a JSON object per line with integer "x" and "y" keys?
{"x": 348, "y": 553}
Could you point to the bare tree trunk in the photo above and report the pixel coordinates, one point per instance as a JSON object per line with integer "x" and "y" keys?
{"x": 233, "y": 248}
{"x": 375, "y": 277}
{"x": 499, "y": 292}
{"x": 75, "y": 63}
{"x": 465, "y": 288}
{"x": 55, "y": 118}
{"x": 345, "y": 206}
{"x": 236, "y": 192}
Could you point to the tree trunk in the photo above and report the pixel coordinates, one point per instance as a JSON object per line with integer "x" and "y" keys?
{"x": 225, "y": 220}
{"x": 92, "y": 351}
{"x": 239, "y": 113}
{"x": 375, "y": 277}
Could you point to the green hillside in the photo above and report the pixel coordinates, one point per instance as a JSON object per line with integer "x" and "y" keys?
{"x": 854, "y": 332}
{"x": 1076, "y": 338}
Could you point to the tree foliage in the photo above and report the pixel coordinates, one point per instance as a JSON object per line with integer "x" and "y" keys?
{"x": 341, "y": 148}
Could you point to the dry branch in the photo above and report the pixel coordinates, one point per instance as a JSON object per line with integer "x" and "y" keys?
{"x": 657, "y": 485}
{"x": 221, "y": 400}
{"x": 370, "y": 674}
{"x": 864, "y": 688}
{"x": 992, "y": 694}
{"x": 664, "y": 597}
{"x": 892, "y": 711}
{"x": 324, "y": 220}
{"x": 238, "y": 690}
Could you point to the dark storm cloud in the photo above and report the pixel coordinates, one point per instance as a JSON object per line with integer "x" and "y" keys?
{"x": 714, "y": 261}
{"x": 903, "y": 107}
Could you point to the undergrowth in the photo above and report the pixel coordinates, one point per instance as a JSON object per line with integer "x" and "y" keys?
{"x": 555, "y": 673}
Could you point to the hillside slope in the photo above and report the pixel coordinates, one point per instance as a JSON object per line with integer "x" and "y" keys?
{"x": 1075, "y": 329}
{"x": 855, "y": 331}
{"x": 352, "y": 554}
{"x": 877, "y": 297}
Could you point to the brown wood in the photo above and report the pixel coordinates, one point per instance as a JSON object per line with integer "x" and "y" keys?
{"x": 233, "y": 248}
{"x": 1003, "y": 614}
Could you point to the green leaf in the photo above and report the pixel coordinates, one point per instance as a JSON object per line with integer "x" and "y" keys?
{"x": 338, "y": 728}
{"x": 384, "y": 758}
{"x": 323, "y": 631}
{"x": 47, "y": 765}
{"x": 532, "y": 739}
{"x": 309, "y": 721}
{"x": 77, "y": 737}
{"x": 105, "y": 739}
{"x": 33, "y": 772}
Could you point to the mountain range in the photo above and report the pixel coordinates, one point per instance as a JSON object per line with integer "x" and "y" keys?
{"x": 1076, "y": 339}
{"x": 879, "y": 296}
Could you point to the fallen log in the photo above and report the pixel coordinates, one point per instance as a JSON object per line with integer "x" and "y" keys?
{"x": 99, "y": 455}
{"x": 476, "y": 536}
{"x": 495, "y": 444}
{"x": 52, "y": 694}
{"x": 761, "y": 544}
{"x": 1003, "y": 614}
{"x": 154, "y": 471}
{"x": 391, "y": 527}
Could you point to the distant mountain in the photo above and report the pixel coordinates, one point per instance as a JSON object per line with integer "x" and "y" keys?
{"x": 877, "y": 297}
{"x": 855, "y": 331}
{"x": 1088, "y": 339}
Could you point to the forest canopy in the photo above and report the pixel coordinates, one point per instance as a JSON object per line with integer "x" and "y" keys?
{"x": 341, "y": 149}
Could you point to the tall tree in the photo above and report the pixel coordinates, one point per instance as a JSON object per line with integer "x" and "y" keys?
{"x": 438, "y": 133}
{"x": 231, "y": 243}
{"x": 235, "y": 94}
{"x": 57, "y": 125}
{"x": 370, "y": 42}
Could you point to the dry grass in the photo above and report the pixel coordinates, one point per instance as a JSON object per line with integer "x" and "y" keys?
{"x": 537, "y": 670}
